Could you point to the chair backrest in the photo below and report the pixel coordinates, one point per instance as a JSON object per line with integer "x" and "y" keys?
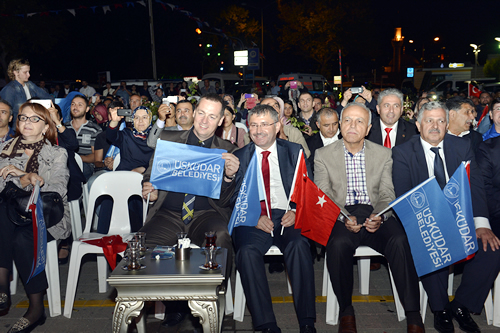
{"x": 241, "y": 125}
{"x": 116, "y": 161}
{"x": 79, "y": 161}
{"x": 120, "y": 185}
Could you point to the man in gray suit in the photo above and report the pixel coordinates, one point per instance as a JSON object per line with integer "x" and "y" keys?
{"x": 184, "y": 116}
{"x": 357, "y": 175}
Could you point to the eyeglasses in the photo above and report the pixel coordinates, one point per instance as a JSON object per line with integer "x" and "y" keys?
{"x": 33, "y": 119}
{"x": 262, "y": 125}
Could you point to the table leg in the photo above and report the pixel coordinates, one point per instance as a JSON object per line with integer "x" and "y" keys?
{"x": 208, "y": 312}
{"x": 124, "y": 313}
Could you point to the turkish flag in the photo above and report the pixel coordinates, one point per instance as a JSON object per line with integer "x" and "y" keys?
{"x": 316, "y": 213}
{"x": 111, "y": 246}
{"x": 474, "y": 91}
{"x": 485, "y": 112}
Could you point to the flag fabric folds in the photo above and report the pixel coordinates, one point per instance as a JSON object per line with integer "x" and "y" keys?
{"x": 474, "y": 91}
{"x": 431, "y": 226}
{"x": 247, "y": 210}
{"x": 39, "y": 234}
{"x": 189, "y": 169}
{"x": 316, "y": 213}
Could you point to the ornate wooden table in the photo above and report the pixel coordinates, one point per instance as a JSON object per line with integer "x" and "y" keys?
{"x": 171, "y": 280}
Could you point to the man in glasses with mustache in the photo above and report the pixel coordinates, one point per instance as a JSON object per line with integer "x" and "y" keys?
{"x": 436, "y": 153}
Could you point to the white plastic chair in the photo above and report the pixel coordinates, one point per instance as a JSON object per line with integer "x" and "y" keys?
{"x": 239, "y": 295}
{"x": 120, "y": 185}
{"x": 52, "y": 272}
{"x": 241, "y": 125}
{"x": 85, "y": 191}
{"x": 74, "y": 206}
{"x": 364, "y": 253}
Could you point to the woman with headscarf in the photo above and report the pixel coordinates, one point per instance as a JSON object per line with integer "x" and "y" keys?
{"x": 229, "y": 131}
{"x": 30, "y": 157}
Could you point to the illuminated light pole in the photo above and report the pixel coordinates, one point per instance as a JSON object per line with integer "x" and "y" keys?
{"x": 476, "y": 50}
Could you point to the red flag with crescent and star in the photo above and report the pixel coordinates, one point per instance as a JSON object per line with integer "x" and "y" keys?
{"x": 316, "y": 213}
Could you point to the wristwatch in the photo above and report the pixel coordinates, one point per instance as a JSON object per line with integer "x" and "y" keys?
{"x": 59, "y": 126}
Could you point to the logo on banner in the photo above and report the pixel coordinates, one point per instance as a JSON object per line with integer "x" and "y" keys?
{"x": 418, "y": 200}
{"x": 451, "y": 191}
{"x": 164, "y": 166}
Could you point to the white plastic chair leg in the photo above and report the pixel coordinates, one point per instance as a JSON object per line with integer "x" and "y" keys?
{"x": 364, "y": 275}
{"x": 451, "y": 275}
{"x": 397, "y": 302}
{"x": 159, "y": 310}
{"x": 76, "y": 218}
{"x": 324, "y": 290}
{"x": 496, "y": 304}
{"x": 488, "y": 309}
{"x": 13, "y": 283}
{"x": 423, "y": 300}
{"x": 52, "y": 272}
{"x": 239, "y": 299}
{"x": 229, "y": 298}
{"x": 332, "y": 305}
{"x": 73, "y": 273}
{"x": 102, "y": 273}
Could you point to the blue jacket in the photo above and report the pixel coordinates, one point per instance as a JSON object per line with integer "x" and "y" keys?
{"x": 14, "y": 93}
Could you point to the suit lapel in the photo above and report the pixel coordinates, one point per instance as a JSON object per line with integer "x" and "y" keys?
{"x": 423, "y": 172}
{"x": 450, "y": 157}
{"x": 376, "y": 131}
{"x": 401, "y": 133}
{"x": 287, "y": 167}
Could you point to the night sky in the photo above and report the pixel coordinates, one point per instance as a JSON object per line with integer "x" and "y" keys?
{"x": 119, "y": 40}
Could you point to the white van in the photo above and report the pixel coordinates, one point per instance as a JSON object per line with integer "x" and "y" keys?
{"x": 229, "y": 83}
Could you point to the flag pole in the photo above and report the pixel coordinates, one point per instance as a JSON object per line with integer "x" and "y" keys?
{"x": 293, "y": 186}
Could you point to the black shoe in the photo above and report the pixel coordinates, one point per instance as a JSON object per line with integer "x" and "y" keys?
{"x": 307, "y": 329}
{"x": 173, "y": 319}
{"x": 64, "y": 261}
{"x": 465, "y": 321}
{"x": 443, "y": 321}
{"x": 276, "y": 267}
{"x": 268, "y": 330}
{"x": 4, "y": 301}
{"x": 23, "y": 325}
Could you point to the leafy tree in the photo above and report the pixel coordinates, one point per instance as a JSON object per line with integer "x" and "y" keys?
{"x": 236, "y": 22}
{"x": 492, "y": 68}
{"x": 318, "y": 29}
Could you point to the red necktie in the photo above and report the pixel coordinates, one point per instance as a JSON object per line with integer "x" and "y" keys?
{"x": 267, "y": 184}
{"x": 387, "y": 141}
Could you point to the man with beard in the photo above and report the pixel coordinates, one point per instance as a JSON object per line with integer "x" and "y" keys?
{"x": 87, "y": 90}
{"x": 6, "y": 133}
{"x": 86, "y": 133}
{"x": 184, "y": 116}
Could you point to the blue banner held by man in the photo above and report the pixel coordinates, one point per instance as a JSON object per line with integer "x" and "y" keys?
{"x": 189, "y": 169}
{"x": 247, "y": 209}
{"x": 430, "y": 225}
{"x": 457, "y": 193}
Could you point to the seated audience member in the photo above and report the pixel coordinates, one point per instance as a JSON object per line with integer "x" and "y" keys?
{"x": 328, "y": 124}
{"x": 86, "y": 133}
{"x": 207, "y": 88}
{"x": 87, "y": 90}
{"x": 357, "y": 175}
{"x": 100, "y": 115}
{"x": 6, "y": 133}
{"x": 389, "y": 128}
{"x": 251, "y": 243}
{"x": 30, "y": 157}
{"x": 488, "y": 160}
{"x": 108, "y": 91}
{"x": 436, "y": 153}
{"x": 229, "y": 131}
{"x": 123, "y": 93}
{"x": 166, "y": 216}
{"x": 289, "y": 113}
{"x": 461, "y": 117}
{"x": 307, "y": 114}
{"x": 494, "y": 114}
{"x": 182, "y": 119}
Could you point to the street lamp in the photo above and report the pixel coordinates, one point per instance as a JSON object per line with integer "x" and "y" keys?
{"x": 476, "y": 50}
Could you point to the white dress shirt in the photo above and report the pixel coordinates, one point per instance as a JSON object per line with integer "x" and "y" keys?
{"x": 279, "y": 199}
{"x": 327, "y": 141}
{"x": 392, "y": 133}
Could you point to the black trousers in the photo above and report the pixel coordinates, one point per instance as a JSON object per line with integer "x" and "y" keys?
{"x": 250, "y": 245}
{"x": 390, "y": 240}
{"x": 16, "y": 244}
{"x": 478, "y": 277}
{"x": 162, "y": 229}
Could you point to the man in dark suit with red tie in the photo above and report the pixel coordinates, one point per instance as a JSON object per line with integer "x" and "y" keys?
{"x": 278, "y": 159}
{"x": 435, "y": 153}
{"x": 390, "y": 129}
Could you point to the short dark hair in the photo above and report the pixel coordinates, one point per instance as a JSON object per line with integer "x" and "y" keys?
{"x": 214, "y": 98}
{"x": 115, "y": 104}
{"x": 3, "y": 101}
{"x": 307, "y": 93}
{"x": 185, "y": 101}
{"x": 455, "y": 103}
{"x": 263, "y": 109}
{"x": 327, "y": 112}
{"x": 82, "y": 97}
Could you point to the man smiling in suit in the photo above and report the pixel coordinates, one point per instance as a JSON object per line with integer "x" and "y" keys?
{"x": 356, "y": 175}
{"x": 389, "y": 129}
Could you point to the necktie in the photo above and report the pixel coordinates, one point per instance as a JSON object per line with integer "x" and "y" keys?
{"x": 267, "y": 183}
{"x": 439, "y": 168}
{"x": 188, "y": 204}
{"x": 387, "y": 141}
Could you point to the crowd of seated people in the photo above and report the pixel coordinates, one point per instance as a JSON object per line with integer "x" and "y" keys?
{"x": 362, "y": 128}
